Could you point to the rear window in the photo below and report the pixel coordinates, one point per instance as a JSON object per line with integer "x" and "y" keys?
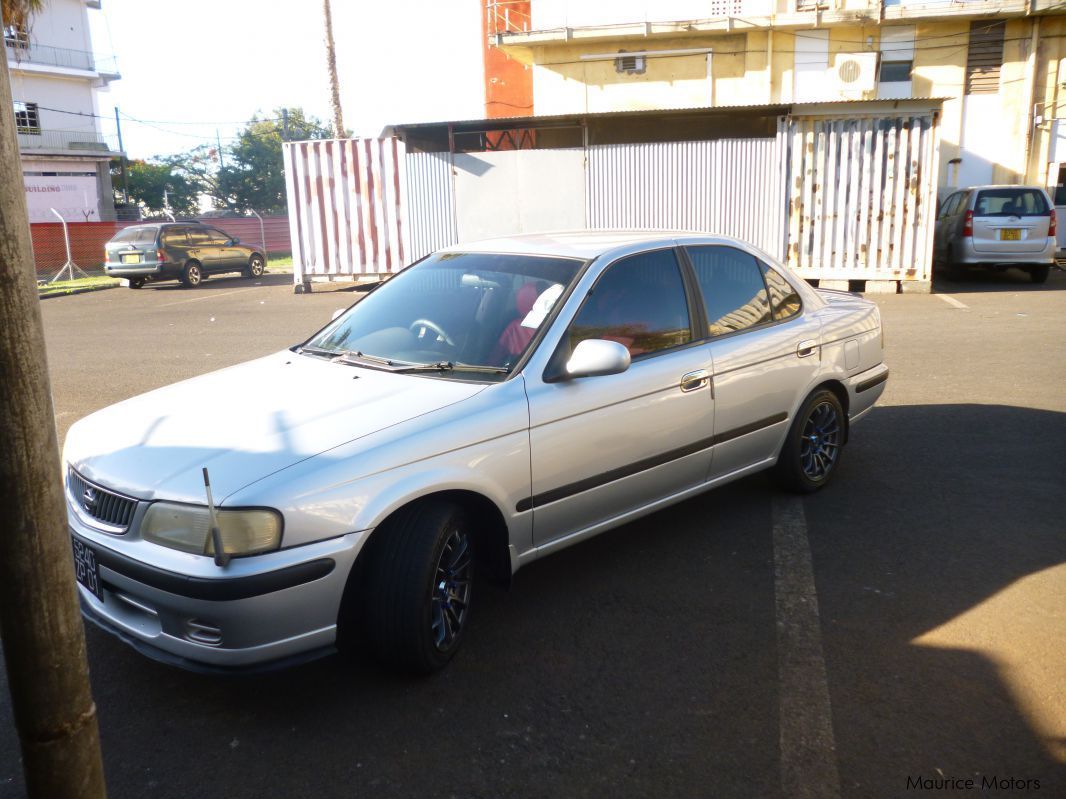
{"x": 1010, "y": 202}
{"x": 136, "y": 235}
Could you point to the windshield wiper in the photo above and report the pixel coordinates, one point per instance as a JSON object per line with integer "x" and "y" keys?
{"x": 362, "y": 359}
{"x": 312, "y": 349}
{"x": 452, "y": 366}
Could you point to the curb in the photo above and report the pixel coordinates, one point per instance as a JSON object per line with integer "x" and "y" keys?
{"x": 72, "y": 292}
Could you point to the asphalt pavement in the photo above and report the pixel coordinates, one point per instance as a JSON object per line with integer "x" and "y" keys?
{"x": 654, "y": 660}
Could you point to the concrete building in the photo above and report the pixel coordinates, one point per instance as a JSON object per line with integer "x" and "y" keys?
{"x": 55, "y": 78}
{"x": 998, "y": 66}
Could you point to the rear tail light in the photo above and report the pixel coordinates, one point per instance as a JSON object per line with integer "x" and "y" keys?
{"x": 161, "y": 256}
{"x": 967, "y": 225}
{"x": 1053, "y": 224}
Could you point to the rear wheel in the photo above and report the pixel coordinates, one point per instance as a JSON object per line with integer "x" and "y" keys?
{"x": 136, "y": 282}
{"x": 255, "y": 266}
{"x": 956, "y": 271}
{"x": 1038, "y": 274}
{"x": 416, "y": 587}
{"x": 814, "y": 444}
{"x": 192, "y": 275}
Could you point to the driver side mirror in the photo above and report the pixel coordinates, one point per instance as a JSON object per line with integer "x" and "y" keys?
{"x": 594, "y": 357}
{"x": 234, "y": 240}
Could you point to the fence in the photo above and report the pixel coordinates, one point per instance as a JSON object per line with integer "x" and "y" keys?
{"x": 87, "y": 239}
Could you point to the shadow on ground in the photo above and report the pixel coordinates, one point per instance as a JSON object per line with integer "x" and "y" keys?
{"x": 990, "y": 280}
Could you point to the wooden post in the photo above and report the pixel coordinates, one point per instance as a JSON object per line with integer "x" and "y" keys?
{"x": 44, "y": 641}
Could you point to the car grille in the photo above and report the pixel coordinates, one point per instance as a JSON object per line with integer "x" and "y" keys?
{"x": 107, "y": 507}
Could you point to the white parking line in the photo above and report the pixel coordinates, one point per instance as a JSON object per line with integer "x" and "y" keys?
{"x": 205, "y": 297}
{"x": 952, "y": 301}
{"x": 808, "y": 752}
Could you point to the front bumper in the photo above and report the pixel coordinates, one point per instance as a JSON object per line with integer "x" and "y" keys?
{"x": 281, "y": 608}
{"x": 965, "y": 253}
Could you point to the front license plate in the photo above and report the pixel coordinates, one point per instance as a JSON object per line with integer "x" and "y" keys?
{"x": 134, "y": 258}
{"x": 1010, "y": 234}
{"x": 86, "y": 569}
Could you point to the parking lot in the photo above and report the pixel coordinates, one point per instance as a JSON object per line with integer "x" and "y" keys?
{"x": 654, "y": 660}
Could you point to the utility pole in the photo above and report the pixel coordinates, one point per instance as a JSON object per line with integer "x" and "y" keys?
{"x": 44, "y": 640}
{"x": 218, "y": 141}
{"x": 284, "y": 124}
{"x": 331, "y": 68}
{"x": 125, "y": 171}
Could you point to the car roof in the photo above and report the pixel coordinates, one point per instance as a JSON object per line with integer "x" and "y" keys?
{"x": 1000, "y": 186}
{"x": 584, "y": 244}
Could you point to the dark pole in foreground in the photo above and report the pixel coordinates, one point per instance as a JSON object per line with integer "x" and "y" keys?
{"x": 44, "y": 641}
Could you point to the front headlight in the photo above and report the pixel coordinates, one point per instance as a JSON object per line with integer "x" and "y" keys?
{"x": 188, "y": 528}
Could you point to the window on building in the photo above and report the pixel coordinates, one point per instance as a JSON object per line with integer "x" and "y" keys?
{"x": 896, "y": 62}
{"x": 27, "y": 120}
{"x": 732, "y": 286}
{"x": 984, "y": 56}
{"x": 639, "y": 302}
{"x": 16, "y": 37}
{"x": 630, "y": 64}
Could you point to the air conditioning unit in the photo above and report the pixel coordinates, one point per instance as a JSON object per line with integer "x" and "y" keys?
{"x": 855, "y": 75}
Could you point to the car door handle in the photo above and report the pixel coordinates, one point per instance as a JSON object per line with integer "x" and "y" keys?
{"x": 693, "y": 381}
{"x": 806, "y": 348}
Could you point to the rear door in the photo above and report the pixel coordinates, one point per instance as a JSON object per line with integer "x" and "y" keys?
{"x": 200, "y": 245}
{"x": 765, "y": 352}
{"x": 942, "y": 231}
{"x": 1010, "y": 219}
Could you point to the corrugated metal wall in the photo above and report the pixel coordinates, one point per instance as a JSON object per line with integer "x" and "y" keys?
{"x": 430, "y": 203}
{"x": 731, "y": 187}
{"x": 862, "y": 197}
{"x": 346, "y": 210}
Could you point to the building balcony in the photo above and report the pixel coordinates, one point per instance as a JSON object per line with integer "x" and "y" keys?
{"x": 65, "y": 142}
{"x": 32, "y": 57}
{"x": 547, "y": 22}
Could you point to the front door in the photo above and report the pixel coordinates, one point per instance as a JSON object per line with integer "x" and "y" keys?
{"x": 604, "y": 446}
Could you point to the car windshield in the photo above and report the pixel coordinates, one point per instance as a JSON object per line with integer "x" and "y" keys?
{"x": 136, "y": 235}
{"x": 452, "y": 311}
{"x": 1010, "y": 202}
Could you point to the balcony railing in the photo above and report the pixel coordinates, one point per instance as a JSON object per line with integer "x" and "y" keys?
{"x": 75, "y": 141}
{"x": 32, "y": 53}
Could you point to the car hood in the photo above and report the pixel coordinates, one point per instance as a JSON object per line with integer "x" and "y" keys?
{"x": 244, "y": 423}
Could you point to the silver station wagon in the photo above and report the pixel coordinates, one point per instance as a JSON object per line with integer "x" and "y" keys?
{"x": 485, "y": 407}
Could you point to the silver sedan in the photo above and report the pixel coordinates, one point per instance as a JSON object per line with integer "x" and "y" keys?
{"x": 490, "y": 405}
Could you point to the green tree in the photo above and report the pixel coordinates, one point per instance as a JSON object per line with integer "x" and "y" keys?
{"x": 254, "y": 175}
{"x": 157, "y": 185}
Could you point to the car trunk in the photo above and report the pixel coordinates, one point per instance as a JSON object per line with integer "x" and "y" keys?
{"x": 132, "y": 246}
{"x": 1010, "y": 220}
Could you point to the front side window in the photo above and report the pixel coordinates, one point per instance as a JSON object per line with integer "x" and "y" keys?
{"x": 734, "y": 293}
{"x": 461, "y": 309}
{"x": 217, "y": 237}
{"x": 639, "y": 302}
{"x": 784, "y": 300}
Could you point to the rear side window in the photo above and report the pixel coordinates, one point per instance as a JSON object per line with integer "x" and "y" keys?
{"x": 198, "y": 236}
{"x": 174, "y": 237}
{"x": 1010, "y": 202}
{"x": 136, "y": 235}
{"x": 734, "y": 293}
{"x": 784, "y": 300}
{"x": 639, "y": 302}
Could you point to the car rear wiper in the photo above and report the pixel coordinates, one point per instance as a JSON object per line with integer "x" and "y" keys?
{"x": 452, "y": 366}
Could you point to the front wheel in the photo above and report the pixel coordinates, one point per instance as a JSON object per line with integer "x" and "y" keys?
{"x": 417, "y": 587}
{"x": 1038, "y": 274}
{"x": 255, "y": 266}
{"x": 814, "y": 444}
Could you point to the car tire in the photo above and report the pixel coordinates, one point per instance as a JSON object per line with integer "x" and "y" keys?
{"x": 255, "y": 267}
{"x": 1038, "y": 274}
{"x": 136, "y": 282}
{"x": 192, "y": 275}
{"x": 416, "y": 587}
{"x": 814, "y": 445}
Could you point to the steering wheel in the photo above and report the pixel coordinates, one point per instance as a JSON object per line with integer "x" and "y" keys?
{"x": 431, "y": 325}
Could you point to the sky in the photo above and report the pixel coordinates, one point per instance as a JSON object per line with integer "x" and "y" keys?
{"x": 199, "y": 69}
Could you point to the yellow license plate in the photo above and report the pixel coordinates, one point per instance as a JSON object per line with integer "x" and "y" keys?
{"x": 1010, "y": 234}
{"x": 131, "y": 259}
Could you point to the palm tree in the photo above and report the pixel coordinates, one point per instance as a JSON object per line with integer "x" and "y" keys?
{"x": 331, "y": 67}
{"x": 44, "y": 641}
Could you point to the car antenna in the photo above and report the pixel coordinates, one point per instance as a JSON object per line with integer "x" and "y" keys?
{"x": 222, "y": 557}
